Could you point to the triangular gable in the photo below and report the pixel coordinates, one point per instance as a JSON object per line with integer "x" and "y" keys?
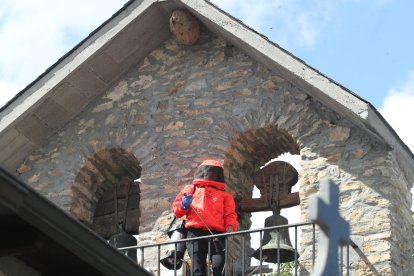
{"x": 45, "y": 106}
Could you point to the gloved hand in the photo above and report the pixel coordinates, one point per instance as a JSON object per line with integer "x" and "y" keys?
{"x": 186, "y": 201}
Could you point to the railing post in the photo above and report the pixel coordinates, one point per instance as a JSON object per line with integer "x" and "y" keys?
{"x": 313, "y": 244}
{"x": 278, "y": 252}
{"x": 296, "y": 250}
{"x": 347, "y": 259}
{"x": 261, "y": 252}
{"x": 243, "y": 255}
{"x": 225, "y": 256}
{"x": 142, "y": 257}
{"x": 209, "y": 263}
{"x": 342, "y": 260}
{"x": 159, "y": 258}
{"x": 175, "y": 259}
{"x": 192, "y": 257}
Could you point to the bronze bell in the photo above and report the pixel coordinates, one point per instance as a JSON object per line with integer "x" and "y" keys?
{"x": 123, "y": 239}
{"x": 271, "y": 239}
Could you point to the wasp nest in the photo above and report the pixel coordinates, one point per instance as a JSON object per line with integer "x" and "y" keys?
{"x": 184, "y": 26}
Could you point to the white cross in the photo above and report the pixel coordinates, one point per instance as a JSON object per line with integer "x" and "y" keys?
{"x": 323, "y": 210}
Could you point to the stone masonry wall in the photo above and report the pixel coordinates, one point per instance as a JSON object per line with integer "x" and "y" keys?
{"x": 183, "y": 104}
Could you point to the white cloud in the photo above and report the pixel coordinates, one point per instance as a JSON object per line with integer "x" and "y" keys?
{"x": 288, "y": 22}
{"x": 398, "y": 110}
{"x": 35, "y": 34}
{"x": 8, "y": 90}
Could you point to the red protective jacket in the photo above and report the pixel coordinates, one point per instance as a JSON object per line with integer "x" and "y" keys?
{"x": 213, "y": 204}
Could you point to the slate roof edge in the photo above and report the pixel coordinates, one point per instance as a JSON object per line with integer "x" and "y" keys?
{"x": 39, "y": 88}
{"x": 66, "y": 55}
{"x": 25, "y": 202}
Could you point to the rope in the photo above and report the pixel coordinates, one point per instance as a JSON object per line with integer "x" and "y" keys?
{"x": 192, "y": 208}
{"x": 126, "y": 204}
{"x": 116, "y": 206}
{"x": 211, "y": 233}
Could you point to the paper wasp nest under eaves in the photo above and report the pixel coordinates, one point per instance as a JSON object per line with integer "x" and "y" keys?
{"x": 184, "y": 26}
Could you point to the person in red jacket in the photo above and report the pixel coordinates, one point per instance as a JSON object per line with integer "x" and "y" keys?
{"x": 209, "y": 209}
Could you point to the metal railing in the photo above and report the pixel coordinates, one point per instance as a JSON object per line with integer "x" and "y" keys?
{"x": 155, "y": 266}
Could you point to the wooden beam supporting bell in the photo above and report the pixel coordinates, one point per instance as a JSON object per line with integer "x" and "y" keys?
{"x": 261, "y": 204}
{"x": 275, "y": 182}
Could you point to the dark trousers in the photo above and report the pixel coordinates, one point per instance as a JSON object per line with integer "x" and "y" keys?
{"x": 198, "y": 251}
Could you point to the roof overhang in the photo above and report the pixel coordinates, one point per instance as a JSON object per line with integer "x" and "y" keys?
{"x": 140, "y": 26}
{"x": 47, "y": 239}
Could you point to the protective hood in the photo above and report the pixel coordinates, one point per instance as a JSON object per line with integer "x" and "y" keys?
{"x": 210, "y": 170}
{"x": 209, "y": 173}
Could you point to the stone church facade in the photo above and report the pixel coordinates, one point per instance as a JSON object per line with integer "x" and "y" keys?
{"x": 181, "y": 104}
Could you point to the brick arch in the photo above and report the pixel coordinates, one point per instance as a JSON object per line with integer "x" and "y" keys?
{"x": 249, "y": 150}
{"x": 107, "y": 173}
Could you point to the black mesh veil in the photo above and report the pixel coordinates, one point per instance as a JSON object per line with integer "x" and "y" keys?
{"x": 210, "y": 173}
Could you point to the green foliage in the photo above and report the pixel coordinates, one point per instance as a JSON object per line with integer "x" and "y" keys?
{"x": 286, "y": 269}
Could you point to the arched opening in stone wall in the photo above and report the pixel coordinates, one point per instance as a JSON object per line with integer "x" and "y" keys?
{"x": 291, "y": 214}
{"x": 249, "y": 152}
{"x": 105, "y": 193}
